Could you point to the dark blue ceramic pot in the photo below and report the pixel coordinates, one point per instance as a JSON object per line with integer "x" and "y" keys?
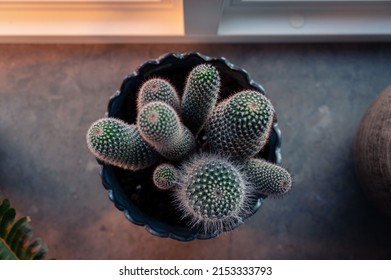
{"x": 133, "y": 192}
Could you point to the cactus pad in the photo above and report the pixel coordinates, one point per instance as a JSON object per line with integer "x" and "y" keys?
{"x": 165, "y": 176}
{"x": 119, "y": 144}
{"x": 157, "y": 89}
{"x": 268, "y": 178}
{"x": 240, "y": 125}
{"x": 212, "y": 193}
{"x": 200, "y": 96}
{"x": 160, "y": 126}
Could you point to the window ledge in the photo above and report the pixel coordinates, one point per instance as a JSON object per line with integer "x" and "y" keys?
{"x": 177, "y": 21}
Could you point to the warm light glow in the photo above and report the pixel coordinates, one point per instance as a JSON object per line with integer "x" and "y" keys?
{"x": 81, "y": 1}
{"x": 91, "y": 18}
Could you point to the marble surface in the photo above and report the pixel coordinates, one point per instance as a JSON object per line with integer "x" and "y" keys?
{"x": 50, "y": 94}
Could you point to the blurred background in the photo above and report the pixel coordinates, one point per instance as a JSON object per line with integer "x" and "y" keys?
{"x": 322, "y": 64}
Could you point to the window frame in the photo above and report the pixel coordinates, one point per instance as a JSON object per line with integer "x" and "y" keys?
{"x": 194, "y": 21}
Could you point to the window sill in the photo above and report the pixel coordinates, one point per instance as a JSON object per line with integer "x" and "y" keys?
{"x": 193, "y": 21}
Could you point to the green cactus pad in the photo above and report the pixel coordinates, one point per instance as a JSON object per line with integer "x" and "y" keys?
{"x": 200, "y": 96}
{"x": 268, "y": 178}
{"x": 212, "y": 193}
{"x": 240, "y": 125}
{"x": 160, "y": 126}
{"x": 157, "y": 89}
{"x": 181, "y": 149}
{"x": 165, "y": 176}
{"x": 119, "y": 144}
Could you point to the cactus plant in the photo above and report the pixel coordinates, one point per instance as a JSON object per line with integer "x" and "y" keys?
{"x": 165, "y": 176}
{"x": 117, "y": 143}
{"x": 204, "y": 144}
{"x": 158, "y": 89}
{"x": 240, "y": 125}
{"x": 161, "y": 127}
{"x": 212, "y": 192}
{"x": 268, "y": 178}
{"x": 200, "y": 96}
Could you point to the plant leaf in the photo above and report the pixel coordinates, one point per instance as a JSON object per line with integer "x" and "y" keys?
{"x": 3, "y": 207}
{"x": 15, "y": 238}
{"x": 5, "y": 251}
{"x": 6, "y": 221}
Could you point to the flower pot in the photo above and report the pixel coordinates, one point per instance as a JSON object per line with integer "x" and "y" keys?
{"x": 371, "y": 151}
{"x": 132, "y": 191}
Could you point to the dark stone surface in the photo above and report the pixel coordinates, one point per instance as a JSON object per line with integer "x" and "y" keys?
{"x": 50, "y": 94}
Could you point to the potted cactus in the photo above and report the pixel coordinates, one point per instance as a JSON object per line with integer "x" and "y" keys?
{"x": 189, "y": 147}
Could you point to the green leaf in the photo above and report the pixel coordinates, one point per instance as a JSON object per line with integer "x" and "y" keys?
{"x": 15, "y": 238}
{"x": 6, "y": 222}
{"x": 5, "y": 252}
{"x": 14, "y": 229}
{"x": 3, "y": 207}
